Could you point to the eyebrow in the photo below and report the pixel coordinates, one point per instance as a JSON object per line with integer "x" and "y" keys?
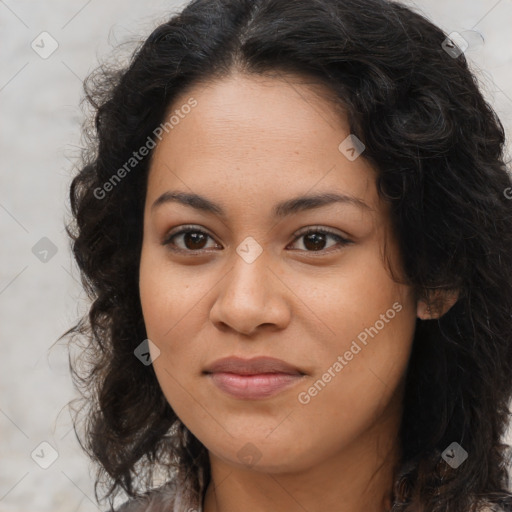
{"x": 280, "y": 210}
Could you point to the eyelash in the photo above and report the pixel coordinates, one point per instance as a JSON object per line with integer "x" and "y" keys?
{"x": 191, "y": 229}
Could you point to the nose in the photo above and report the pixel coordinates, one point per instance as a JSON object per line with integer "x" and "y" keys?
{"x": 251, "y": 297}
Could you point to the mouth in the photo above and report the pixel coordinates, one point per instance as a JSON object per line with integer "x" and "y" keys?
{"x": 252, "y": 379}
{"x": 253, "y": 387}
{"x": 254, "y": 366}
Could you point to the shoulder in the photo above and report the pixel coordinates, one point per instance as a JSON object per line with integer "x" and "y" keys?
{"x": 161, "y": 499}
{"x": 489, "y": 507}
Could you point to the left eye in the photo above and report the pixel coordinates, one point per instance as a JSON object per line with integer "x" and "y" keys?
{"x": 315, "y": 239}
{"x": 195, "y": 239}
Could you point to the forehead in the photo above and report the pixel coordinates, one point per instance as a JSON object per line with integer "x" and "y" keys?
{"x": 243, "y": 108}
{"x": 262, "y": 135}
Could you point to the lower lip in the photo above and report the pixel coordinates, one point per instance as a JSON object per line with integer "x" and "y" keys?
{"x": 253, "y": 387}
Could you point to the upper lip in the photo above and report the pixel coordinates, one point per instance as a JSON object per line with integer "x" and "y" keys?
{"x": 254, "y": 366}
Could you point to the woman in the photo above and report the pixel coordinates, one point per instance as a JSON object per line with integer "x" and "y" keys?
{"x": 293, "y": 224}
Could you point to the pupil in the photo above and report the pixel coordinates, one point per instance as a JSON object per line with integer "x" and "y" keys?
{"x": 194, "y": 238}
{"x": 317, "y": 238}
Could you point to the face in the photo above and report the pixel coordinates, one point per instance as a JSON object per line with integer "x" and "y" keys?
{"x": 248, "y": 269}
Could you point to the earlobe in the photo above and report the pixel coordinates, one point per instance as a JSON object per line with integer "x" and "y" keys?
{"x": 423, "y": 310}
{"x": 437, "y": 304}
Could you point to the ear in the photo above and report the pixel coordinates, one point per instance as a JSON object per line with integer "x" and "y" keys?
{"x": 436, "y": 304}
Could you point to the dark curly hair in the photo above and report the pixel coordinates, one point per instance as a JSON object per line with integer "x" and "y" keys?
{"x": 439, "y": 150}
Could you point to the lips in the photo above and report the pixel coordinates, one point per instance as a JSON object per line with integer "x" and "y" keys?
{"x": 259, "y": 378}
{"x": 255, "y": 366}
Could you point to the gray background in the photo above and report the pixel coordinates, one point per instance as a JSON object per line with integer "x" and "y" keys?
{"x": 40, "y": 136}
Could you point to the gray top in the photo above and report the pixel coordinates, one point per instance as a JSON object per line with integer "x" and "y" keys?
{"x": 167, "y": 498}
{"x": 173, "y": 498}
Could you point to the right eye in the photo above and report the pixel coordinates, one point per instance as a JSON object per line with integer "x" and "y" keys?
{"x": 191, "y": 238}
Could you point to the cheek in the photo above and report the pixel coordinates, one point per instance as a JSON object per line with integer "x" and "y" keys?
{"x": 161, "y": 319}
{"x": 371, "y": 321}
{"x": 354, "y": 296}
{"x": 351, "y": 394}
{"x": 167, "y": 293}
{"x": 171, "y": 299}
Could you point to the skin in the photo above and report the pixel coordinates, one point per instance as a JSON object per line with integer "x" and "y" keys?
{"x": 252, "y": 142}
